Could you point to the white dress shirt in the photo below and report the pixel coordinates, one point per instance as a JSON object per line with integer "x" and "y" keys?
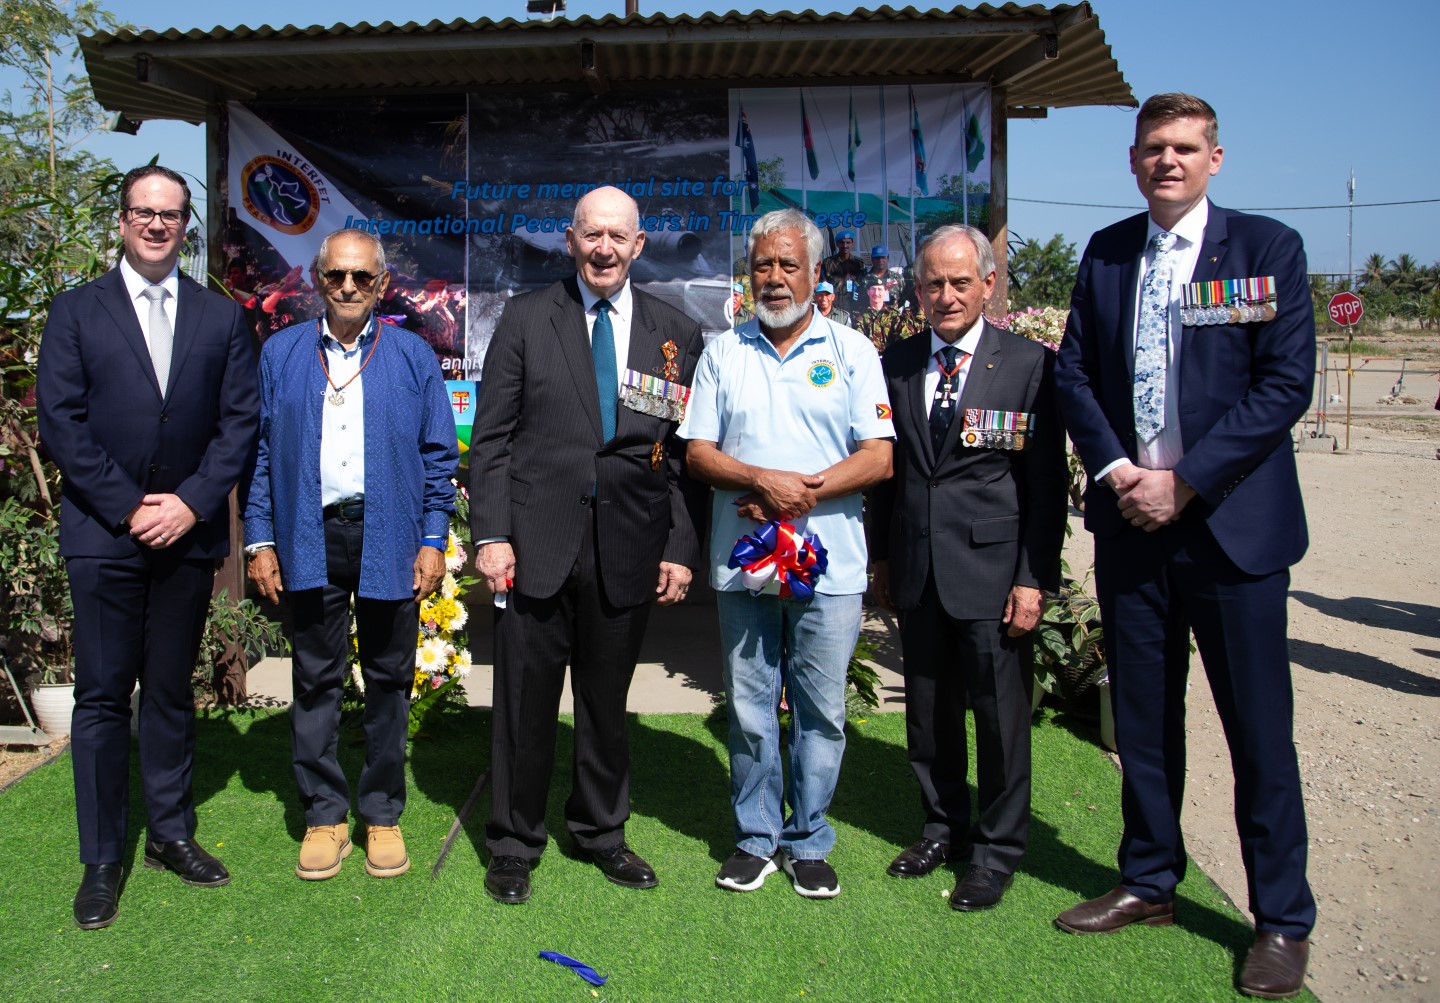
{"x": 135, "y": 286}
{"x": 967, "y": 343}
{"x": 342, "y": 432}
{"x": 622, "y": 313}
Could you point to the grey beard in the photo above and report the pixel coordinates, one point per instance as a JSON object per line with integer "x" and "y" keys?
{"x": 791, "y": 314}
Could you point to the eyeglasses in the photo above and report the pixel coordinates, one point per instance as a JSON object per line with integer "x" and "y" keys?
{"x": 335, "y": 278}
{"x": 142, "y": 216}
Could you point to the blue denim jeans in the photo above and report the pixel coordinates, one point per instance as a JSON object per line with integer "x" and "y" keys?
{"x": 813, "y": 641}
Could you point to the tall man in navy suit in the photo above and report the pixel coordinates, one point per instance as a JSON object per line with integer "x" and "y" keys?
{"x": 147, "y": 403}
{"x": 1180, "y": 399}
{"x": 582, "y": 516}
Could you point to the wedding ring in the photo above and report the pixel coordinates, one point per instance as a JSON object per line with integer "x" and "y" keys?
{"x": 162, "y": 537}
{"x": 1135, "y": 521}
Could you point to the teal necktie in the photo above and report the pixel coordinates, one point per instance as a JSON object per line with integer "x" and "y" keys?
{"x": 602, "y": 348}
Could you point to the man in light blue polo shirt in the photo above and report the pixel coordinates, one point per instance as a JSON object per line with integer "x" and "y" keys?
{"x": 788, "y": 419}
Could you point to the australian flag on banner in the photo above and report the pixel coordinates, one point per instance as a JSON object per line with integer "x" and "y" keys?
{"x": 917, "y": 139}
{"x": 752, "y": 165}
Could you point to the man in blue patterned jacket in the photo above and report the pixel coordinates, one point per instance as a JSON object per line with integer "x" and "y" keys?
{"x": 351, "y": 497}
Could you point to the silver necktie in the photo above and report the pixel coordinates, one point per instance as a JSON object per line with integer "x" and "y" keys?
{"x": 162, "y": 336}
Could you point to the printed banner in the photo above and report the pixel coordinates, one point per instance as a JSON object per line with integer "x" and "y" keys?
{"x": 278, "y": 193}
{"x": 472, "y": 194}
{"x": 462, "y": 402}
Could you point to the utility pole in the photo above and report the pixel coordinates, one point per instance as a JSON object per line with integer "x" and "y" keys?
{"x": 1350, "y": 234}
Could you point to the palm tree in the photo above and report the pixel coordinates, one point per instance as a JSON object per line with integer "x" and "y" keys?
{"x": 1403, "y": 274}
{"x": 1372, "y": 272}
{"x": 1430, "y": 279}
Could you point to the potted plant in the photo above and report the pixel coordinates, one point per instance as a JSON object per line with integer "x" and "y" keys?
{"x": 1070, "y": 651}
{"x": 35, "y": 611}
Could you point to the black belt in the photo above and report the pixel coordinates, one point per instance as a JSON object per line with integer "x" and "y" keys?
{"x": 346, "y": 511}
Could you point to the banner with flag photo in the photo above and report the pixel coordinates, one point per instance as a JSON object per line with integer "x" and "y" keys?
{"x": 852, "y": 139}
{"x": 810, "y": 162}
{"x": 463, "y": 394}
{"x": 917, "y": 140}
{"x": 278, "y": 193}
{"x": 746, "y": 142}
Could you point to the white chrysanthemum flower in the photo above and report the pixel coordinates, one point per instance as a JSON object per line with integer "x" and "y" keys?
{"x": 448, "y": 586}
{"x": 358, "y": 676}
{"x": 454, "y": 554}
{"x": 461, "y": 662}
{"x": 430, "y": 655}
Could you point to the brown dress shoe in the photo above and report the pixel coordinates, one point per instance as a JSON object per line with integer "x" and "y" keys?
{"x": 1275, "y": 967}
{"x": 1115, "y": 910}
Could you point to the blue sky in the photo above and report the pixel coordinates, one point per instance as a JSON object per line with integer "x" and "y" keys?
{"x": 1304, "y": 91}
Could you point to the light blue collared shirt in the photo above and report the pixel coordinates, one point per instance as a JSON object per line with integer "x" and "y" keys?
{"x": 806, "y": 412}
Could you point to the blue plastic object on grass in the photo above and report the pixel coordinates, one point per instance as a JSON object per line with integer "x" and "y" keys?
{"x": 578, "y": 967}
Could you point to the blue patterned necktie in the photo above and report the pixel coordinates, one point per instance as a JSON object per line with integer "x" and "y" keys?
{"x": 1152, "y": 340}
{"x": 602, "y": 348}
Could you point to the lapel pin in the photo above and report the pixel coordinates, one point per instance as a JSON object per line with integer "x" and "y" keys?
{"x": 989, "y": 365}
{"x": 1213, "y": 259}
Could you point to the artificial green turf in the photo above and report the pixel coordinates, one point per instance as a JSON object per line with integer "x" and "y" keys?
{"x": 268, "y": 936}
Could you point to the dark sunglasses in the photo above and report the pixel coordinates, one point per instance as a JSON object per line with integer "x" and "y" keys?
{"x": 335, "y": 278}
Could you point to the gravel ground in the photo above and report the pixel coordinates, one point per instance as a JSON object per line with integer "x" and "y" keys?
{"x": 1365, "y": 651}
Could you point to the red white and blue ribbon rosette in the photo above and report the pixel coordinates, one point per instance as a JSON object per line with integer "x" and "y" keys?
{"x": 777, "y": 552}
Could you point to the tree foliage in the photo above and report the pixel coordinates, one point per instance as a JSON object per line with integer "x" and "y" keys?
{"x": 57, "y": 223}
{"x": 57, "y": 230}
{"x": 1042, "y": 275}
{"x": 1398, "y": 287}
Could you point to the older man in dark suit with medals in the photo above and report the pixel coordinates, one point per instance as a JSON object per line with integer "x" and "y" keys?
{"x": 580, "y": 512}
{"x": 966, "y": 536}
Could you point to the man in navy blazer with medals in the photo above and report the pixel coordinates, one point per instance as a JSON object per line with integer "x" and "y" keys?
{"x": 1188, "y": 356}
{"x": 582, "y": 516}
{"x": 147, "y": 403}
{"x": 966, "y": 538}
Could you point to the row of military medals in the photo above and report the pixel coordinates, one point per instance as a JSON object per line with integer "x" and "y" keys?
{"x": 984, "y": 429}
{"x": 660, "y": 397}
{"x": 656, "y": 397}
{"x": 1228, "y": 301}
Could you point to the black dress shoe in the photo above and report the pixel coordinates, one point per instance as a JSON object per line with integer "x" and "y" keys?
{"x": 919, "y": 860}
{"x": 507, "y": 880}
{"x": 624, "y": 866}
{"x": 97, "y": 903}
{"x": 980, "y": 889}
{"x": 1275, "y": 967}
{"x": 187, "y": 859}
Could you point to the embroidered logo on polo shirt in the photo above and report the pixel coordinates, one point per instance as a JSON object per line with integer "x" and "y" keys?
{"x": 822, "y": 373}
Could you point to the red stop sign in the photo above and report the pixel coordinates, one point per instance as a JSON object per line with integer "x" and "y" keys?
{"x": 1346, "y": 309}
